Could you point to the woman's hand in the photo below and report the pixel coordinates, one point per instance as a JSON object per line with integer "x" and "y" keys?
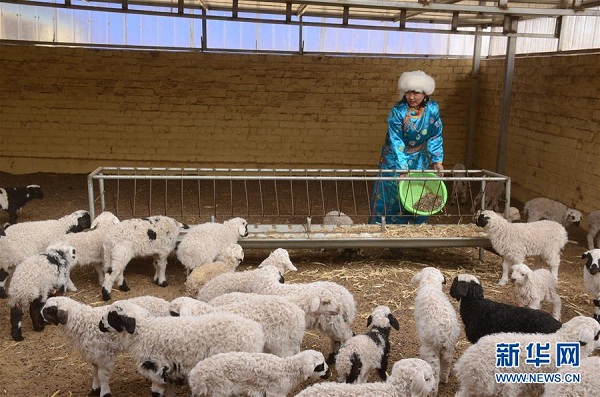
{"x": 439, "y": 167}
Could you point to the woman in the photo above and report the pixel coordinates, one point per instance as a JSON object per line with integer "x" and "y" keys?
{"x": 413, "y": 142}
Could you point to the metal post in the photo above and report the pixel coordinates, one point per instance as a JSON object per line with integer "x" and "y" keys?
{"x": 90, "y": 183}
{"x": 511, "y": 47}
{"x": 474, "y": 99}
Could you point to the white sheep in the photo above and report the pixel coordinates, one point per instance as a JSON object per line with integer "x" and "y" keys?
{"x": 536, "y": 286}
{"x": 544, "y": 208}
{"x": 589, "y": 383}
{"x": 180, "y": 341}
{"x": 282, "y": 321}
{"x": 204, "y": 243}
{"x": 30, "y": 238}
{"x": 516, "y": 241}
{"x": 88, "y": 245}
{"x": 154, "y": 236}
{"x": 280, "y": 258}
{"x": 410, "y": 377}
{"x": 476, "y": 368}
{"x": 493, "y": 197}
{"x": 255, "y": 374}
{"x": 591, "y": 277}
{"x": 228, "y": 262}
{"x": 436, "y": 321}
{"x": 593, "y": 236}
{"x": 513, "y": 214}
{"x": 361, "y": 354}
{"x": 338, "y": 218}
{"x": 34, "y": 280}
{"x": 460, "y": 188}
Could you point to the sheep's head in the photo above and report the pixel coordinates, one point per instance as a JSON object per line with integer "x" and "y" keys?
{"x": 81, "y": 220}
{"x": 382, "y": 317}
{"x": 234, "y": 255}
{"x": 122, "y": 316}
{"x": 239, "y": 225}
{"x": 484, "y": 217}
{"x": 466, "y": 285}
{"x": 106, "y": 218}
{"x": 61, "y": 255}
{"x": 314, "y": 365}
{"x": 280, "y": 259}
{"x": 429, "y": 276}
{"x": 573, "y": 216}
{"x": 415, "y": 373}
{"x": 520, "y": 273}
{"x": 34, "y": 192}
{"x": 582, "y": 329}
{"x": 186, "y": 306}
{"x": 324, "y": 302}
{"x": 593, "y": 261}
{"x": 56, "y": 310}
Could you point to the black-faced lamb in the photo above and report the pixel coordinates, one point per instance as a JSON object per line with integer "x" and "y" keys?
{"x": 180, "y": 341}
{"x": 88, "y": 245}
{"x": 589, "y": 383}
{"x": 12, "y": 199}
{"x": 477, "y": 367}
{"x": 591, "y": 277}
{"x": 516, "y": 241}
{"x": 155, "y": 236}
{"x": 536, "y": 286}
{"x": 228, "y": 262}
{"x": 482, "y": 316}
{"x": 436, "y": 321}
{"x": 593, "y": 236}
{"x": 410, "y": 377}
{"x": 544, "y": 208}
{"x": 361, "y": 354}
{"x": 30, "y": 238}
{"x": 34, "y": 280}
{"x": 255, "y": 374}
{"x": 204, "y": 243}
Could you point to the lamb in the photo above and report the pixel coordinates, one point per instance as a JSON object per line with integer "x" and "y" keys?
{"x": 436, "y": 321}
{"x": 593, "y": 236}
{"x": 230, "y": 260}
{"x": 483, "y": 317}
{"x": 476, "y": 368}
{"x": 544, "y": 208}
{"x": 493, "y": 197}
{"x": 460, "y": 188}
{"x": 338, "y": 218}
{"x": 279, "y": 258}
{"x": 31, "y": 238}
{"x": 363, "y": 353}
{"x": 535, "y": 286}
{"x": 12, "y": 199}
{"x": 255, "y": 374}
{"x": 589, "y": 382}
{"x": 180, "y": 341}
{"x": 88, "y": 245}
{"x": 410, "y": 377}
{"x": 205, "y": 242}
{"x": 282, "y": 321}
{"x": 34, "y": 280}
{"x": 155, "y": 236}
{"x": 591, "y": 277}
{"x": 513, "y": 214}
{"x": 516, "y": 241}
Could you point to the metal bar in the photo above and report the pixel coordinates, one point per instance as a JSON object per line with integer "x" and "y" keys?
{"x": 180, "y": 6}
{"x": 234, "y": 9}
{"x": 312, "y": 243}
{"x": 474, "y": 100}
{"x": 166, "y": 196}
{"x": 511, "y": 47}
{"x": 90, "y": 185}
{"x": 182, "y": 201}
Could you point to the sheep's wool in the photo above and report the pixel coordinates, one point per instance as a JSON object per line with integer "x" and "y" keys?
{"x": 416, "y": 81}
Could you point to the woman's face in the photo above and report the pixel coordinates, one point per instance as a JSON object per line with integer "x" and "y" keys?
{"x": 413, "y": 98}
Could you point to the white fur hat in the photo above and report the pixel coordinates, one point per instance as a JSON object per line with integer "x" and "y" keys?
{"x": 416, "y": 81}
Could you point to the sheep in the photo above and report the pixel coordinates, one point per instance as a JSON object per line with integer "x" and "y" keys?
{"x": 591, "y": 277}
{"x": 363, "y": 353}
{"x": 228, "y": 262}
{"x": 155, "y": 236}
{"x": 279, "y": 258}
{"x": 436, "y": 322}
{"x": 31, "y": 238}
{"x": 589, "y": 381}
{"x": 460, "y": 188}
{"x": 205, "y": 242}
{"x": 544, "y": 208}
{"x": 180, "y": 341}
{"x": 338, "y": 218}
{"x": 476, "y": 368}
{"x": 482, "y": 316}
{"x": 593, "y": 236}
{"x": 34, "y": 279}
{"x": 255, "y": 374}
{"x": 282, "y": 321}
{"x": 535, "y": 286}
{"x": 516, "y": 241}
{"x": 493, "y": 197}
{"x": 513, "y": 214}
{"x": 410, "y": 377}
{"x": 88, "y": 245}
{"x": 12, "y": 199}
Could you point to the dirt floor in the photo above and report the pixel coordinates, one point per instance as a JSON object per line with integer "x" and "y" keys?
{"x": 45, "y": 364}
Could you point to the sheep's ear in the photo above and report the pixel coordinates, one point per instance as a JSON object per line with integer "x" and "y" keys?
{"x": 416, "y": 278}
{"x": 393, "y": 322}
{"x": 418, "y": 385}
{"x": 62, "y": 316}
{"x": 129, "y": 323}
{"x": 458, "y": 289}
{"x": 585, "y": 254}
{"x": 314, "y": 304}
{"x": 369, "y": 320}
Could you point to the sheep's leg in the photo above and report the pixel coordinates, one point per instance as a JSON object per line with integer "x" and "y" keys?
{"x": 535, "y": 303}
{"x": 16, "y": 318}
{"x": 506, "y": 265}
{"x": 160, "y": 269}
{"x": 591, "y": 237}
{"x": 554, "y": 262}
{"x": 95, "y": 382}
{"x": 35, "y": 312}
{"x": 12, "y": 217}
{"x": 3, "y": 277}
{"x": 122, "y": 283}
{"x": 158, "y": 389}
{"x": 446, "y": 355}
{"x": 99, "y": 272}
{"x": 431, "y": 355}
{"x": 556, "y": 305}
{"x": 597, "y": 308}
{"x": 382, "y": 370}
{"x": 119, "y": 258}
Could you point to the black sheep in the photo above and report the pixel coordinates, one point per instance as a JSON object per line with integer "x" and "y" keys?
{"x": 13, "y": 199}
{"x": 483, "y": 317}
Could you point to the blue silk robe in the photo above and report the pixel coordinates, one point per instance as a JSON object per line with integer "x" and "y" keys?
{"x": 414, "y": 141}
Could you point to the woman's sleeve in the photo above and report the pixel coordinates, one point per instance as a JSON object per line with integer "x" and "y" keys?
{"x": 435, "y": 143}
{"x": 395, "y": 128}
